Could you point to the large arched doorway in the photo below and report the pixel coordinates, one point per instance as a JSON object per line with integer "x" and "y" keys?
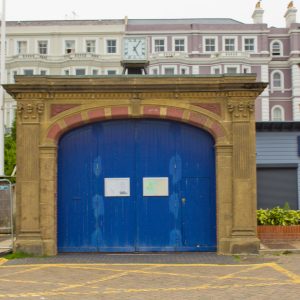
{"x": 136, "y": 185}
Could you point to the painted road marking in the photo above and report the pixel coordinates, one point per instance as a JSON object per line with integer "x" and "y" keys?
{"x": 66, "y": 289}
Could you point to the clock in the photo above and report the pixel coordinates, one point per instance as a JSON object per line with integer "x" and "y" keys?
{"x": 135, "y": 48}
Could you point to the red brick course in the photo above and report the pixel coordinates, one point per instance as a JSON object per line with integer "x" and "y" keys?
{"x": 96, "y": 114}
{"x": 277, "y": 233}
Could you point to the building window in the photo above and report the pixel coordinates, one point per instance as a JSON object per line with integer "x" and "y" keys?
{"x": 90, "y": 46}
{"x": 95, "y": 72}
{"x": 276, "y": 48}
{"x": 183, "y": 71}
{"x": 80, "y": 72}
{"x": 277, "y": 80}
{"x": 179, "y": 45}
{"x": 277, "y": 113}
{"x": 28, "y": 72}
{"x": 22, "y": 47}
{"x": 210, "y": 45}
{"x": 43, "y": 47}
{"x": 231, "y": 70}
{"x": 43, "y": 72}
{"x": 111, "y": 72}
{"x": 229, "y": 44}
{"x": 159, "y": 45}
{"x": 216, "y": 70}
{"x": 111, "y": 46}
{"x": 246, "y": 70}
{"x": 249, "y": 44}
{"x": 67, "y": 72}
{"x": 154, "y": 71}
{"x": 69, "y": 46}
{"x": 169, "y": 71}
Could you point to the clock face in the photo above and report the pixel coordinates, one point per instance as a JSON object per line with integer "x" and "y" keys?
{"x": 135, "y": 48}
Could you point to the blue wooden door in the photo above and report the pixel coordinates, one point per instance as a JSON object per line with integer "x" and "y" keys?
{"x": 183, "y": 220}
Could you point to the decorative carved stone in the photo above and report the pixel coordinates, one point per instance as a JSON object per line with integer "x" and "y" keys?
{"x": 240, "y": 110}
{"x": 30, "y": 111}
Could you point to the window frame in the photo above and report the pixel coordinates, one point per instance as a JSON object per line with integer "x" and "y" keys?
{"x": 226, "y": 67}
{"x": 254, "y": 45}
{"x": 186, "y": 70}
{"x": 154, "y": 39}
{"x": 280, "y": 53}
{"x": 44, "y": 70}
{"x": 282, "y": 112}
{"x": 17, "y": 47}
{"x": 215, "y": 38}
{"x": 116, "y": 46}
{"x": 111, "y": 69}
{"x": 174, "y": 39}
{"x": 38, "y": 46}
{"x": 86, "y": 40}
{"x": 65, "y": 48}
{"x": 213, "y": 68}
{"x": 152, "y": 69}
{"x": 224, "y": 38}
{"x": 174, "y": 67}
{"x": 28, "y": 69}
{"x": 281, "y": 86}
{"x": 80, "y": 68}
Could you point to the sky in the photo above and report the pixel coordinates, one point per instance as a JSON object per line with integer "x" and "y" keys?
{"x": 241, "y": 10}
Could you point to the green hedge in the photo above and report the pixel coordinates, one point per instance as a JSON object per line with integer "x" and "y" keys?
{"x": 278, "y": 216}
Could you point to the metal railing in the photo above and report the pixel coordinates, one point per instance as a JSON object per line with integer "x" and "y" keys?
{"x": 6, "y": 215}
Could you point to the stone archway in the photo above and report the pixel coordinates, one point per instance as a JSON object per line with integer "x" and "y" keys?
{"x": 50, "y": 106}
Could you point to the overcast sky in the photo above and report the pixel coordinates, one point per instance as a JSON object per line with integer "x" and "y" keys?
{"x": 240, "y": 10}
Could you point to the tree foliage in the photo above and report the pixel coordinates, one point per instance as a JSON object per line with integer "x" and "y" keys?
{"x": 10, "y": 151}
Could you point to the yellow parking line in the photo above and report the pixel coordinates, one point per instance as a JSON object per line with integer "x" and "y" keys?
{"x": 232, "y": 275}
{"x": 24, "y": 271}
{"x": 136, "y": 264}
{"x": 193, "y": 288}
{"x": 289, "y": 274}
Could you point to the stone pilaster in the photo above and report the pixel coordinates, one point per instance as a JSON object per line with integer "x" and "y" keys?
{"x": 243, "y": 236}
{"x": 224, "y": 194}
{"x": 48, "y": 207}
{"x": 28, "y": 219}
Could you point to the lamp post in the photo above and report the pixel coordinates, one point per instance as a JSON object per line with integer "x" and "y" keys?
{"x": 2, "y": 80}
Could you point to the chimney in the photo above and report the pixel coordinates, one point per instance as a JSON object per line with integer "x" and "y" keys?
{"x": 258, "y": 14}
{"x": 290, "y": 15}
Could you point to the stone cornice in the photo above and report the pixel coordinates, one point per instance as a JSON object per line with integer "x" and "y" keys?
{"x": 176, "y": 84}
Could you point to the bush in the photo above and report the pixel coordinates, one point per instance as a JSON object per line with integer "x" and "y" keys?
{"x": 278, "y": 216}
{"x": 10, "y": 151}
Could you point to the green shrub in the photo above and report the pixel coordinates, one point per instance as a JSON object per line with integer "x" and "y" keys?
{"x": 278, "y": 216}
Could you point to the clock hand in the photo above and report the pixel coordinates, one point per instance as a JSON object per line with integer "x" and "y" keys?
{"x": 137, "y": 44}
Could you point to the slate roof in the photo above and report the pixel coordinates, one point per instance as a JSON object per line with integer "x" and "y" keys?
{"x": 209, "y": 21}
{"x": 64, "y": 22}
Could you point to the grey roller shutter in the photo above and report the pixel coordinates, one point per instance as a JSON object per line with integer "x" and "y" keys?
{"x": 276, "y": 186}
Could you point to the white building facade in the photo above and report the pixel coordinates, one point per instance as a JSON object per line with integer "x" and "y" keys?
{"x": 174, "y": 47}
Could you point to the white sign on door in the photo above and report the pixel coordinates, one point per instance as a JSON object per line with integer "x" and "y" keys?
{"x": 155, "y": 186}
{"x": 117, "y": 187}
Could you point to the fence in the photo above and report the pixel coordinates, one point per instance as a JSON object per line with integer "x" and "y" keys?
{"x": 6, "y": 215}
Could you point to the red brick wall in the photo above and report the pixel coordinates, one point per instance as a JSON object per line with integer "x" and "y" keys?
{"x": 271, "y": 232}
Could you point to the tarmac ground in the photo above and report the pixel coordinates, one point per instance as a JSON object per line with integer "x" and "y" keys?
{"x": 150, "y": 276}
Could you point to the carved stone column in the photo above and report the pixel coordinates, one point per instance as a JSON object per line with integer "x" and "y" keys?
{"x": 48, "y": 207}
{"x": 243, "y": 236}
{"x": 28, "y": 219}
{"x": 224, "y": 196}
